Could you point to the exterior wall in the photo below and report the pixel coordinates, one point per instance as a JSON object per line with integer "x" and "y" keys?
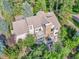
{"x": 56, "y": 31}
{"x": 39, "y": 35}
{"x": 54, "y": 34}
{"x": 31, "y": 29}
{"x": 22, "y": 36}
{"x": 39, "y": 32}
{"x": 38, "y": 29}
{"x": 52, "y": 28}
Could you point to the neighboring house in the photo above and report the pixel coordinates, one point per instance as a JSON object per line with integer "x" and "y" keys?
{"x": 76, "y": 17}
{"x": 42, "y": 25}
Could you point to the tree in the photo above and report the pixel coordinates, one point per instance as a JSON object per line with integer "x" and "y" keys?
{"x": 29, "y": 41}
{"x": 13, "y": 52}
{"x": 63, "y": 33}
{"x": 39, "y": 6}
{"x": 76, "y": 56}
{"x": 17, "y": 9}
{"x": 71, "y": 32}
{"x": 65, "y": 12}
{"x": 3, "y": 26}
{"x": 51, "y": 5}
{"x": 76, "y": 6}
{"x": 6, "y": 12}
{"x": 27, "y": 9}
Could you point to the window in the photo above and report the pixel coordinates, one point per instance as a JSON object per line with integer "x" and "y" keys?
{"x": 48, "y": 16}
{"x": 36, "y": 30}
{"x": 56, "y": 28}
{"x": 52, "y": 29}
{"x": 40, "y": 29}
{"x": 56, "y": 33}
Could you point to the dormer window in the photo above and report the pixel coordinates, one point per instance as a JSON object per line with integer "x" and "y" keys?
{"x": 48, "y": 16}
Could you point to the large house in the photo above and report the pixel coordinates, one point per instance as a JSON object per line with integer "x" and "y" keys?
{"x": 42, "y": 25}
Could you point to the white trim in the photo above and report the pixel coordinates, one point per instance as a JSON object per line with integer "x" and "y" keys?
{"x": 22, "y": 36}
{"x": 31, "y": 30}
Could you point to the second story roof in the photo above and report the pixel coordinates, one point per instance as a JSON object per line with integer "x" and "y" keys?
{"x": 42, "y": 18}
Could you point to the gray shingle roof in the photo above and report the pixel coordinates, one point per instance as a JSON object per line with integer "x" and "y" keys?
{"x": 43, "y": 18}
{"x": 20, "y": 27}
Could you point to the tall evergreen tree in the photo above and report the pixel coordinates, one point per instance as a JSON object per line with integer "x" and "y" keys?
{"x": 27, "y": 9}
{"x": 66, "y": 10}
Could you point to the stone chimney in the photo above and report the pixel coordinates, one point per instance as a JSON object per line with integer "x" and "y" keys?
{"x": 48, "y": 29}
